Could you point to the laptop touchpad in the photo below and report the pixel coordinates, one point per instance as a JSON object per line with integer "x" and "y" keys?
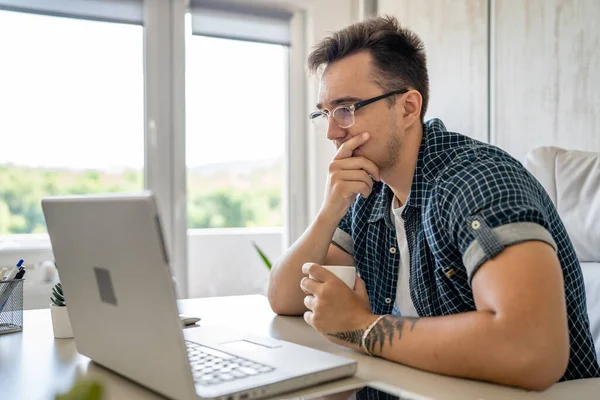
{"x": 246, "y": 345}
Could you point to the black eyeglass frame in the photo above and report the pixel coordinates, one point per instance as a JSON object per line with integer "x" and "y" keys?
{"x": 353, "y": 107}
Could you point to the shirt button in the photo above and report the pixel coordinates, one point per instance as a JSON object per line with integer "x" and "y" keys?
{"x": 475, "y": 224}
{"x": 388, "y": 300}
{"x": 393, "y": 250}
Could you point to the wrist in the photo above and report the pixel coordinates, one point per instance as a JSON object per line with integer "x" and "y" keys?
{"x": 367, "y": 342}
{"x": 328, "y": 219}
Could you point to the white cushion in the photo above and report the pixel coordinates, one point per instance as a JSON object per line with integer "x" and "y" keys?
{"x": 572, "y": 179}
{"x": 541, "y": 162}
{"x": 578, "y": 200}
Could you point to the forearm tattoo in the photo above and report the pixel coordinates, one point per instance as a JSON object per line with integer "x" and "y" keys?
{"x": 389, "y": 327}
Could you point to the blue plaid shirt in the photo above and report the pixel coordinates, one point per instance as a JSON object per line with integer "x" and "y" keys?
{"x": 468, "y": 201}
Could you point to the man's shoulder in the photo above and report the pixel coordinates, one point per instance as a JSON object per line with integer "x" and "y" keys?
{"x": 460, "y": 169}
{"x": 447, "y": 152}
{"x": 470, "y": 162}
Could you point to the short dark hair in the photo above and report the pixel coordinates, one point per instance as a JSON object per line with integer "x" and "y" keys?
{"x": 398, "y": 54}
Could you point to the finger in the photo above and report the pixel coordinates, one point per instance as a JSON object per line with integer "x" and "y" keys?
{"x": 308, "y": 317}
{"x": 355, "y": 176}
{"x": 309, "y": 302}
{"x": 359, "y": 188}
{"x": 358, "y": 163}
{"x": 350, "y": 145}
{"x": 309, "y": 285}
{"x": 301, "y": 284}
{"x": 306, "y": 267}
{"x": 317, "y": 272}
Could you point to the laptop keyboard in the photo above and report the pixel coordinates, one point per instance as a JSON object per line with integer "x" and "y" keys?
{"x": 210, "y": 366}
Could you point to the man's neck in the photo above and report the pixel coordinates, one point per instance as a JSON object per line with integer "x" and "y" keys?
{"x": 400, "y": 176}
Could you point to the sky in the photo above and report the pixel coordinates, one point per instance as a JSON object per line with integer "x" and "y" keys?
{"x": 71, "y": 95}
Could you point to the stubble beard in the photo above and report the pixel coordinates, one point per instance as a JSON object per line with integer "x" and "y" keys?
{"x": 393, "y": 146}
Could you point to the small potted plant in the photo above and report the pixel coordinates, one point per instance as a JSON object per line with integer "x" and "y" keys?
{"x": 60, "y": 316}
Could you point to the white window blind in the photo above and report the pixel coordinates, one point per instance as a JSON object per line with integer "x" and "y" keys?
{"x": 241, "y": 22}
{"x": 122, "y": 11}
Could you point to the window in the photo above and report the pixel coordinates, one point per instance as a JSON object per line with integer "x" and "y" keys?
{"x": 236, "y": 118}
{"x": 236, "y": 127}
{"x": 96, "y": 96}
{"x": 72, "y": 112}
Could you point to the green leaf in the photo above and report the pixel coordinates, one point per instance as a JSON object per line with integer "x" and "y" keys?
{"x": 57, "y": 295}
{"x": 263, "y": 256}
{"x": 57, "y": 302}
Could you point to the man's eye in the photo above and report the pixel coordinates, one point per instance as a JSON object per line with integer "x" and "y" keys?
{"x": 342, "y": 112}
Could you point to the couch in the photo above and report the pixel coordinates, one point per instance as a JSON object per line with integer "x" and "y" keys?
{"x": 572, "y": 179}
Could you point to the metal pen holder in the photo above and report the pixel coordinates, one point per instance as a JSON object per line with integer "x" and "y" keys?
{"x": 11, "y": 306}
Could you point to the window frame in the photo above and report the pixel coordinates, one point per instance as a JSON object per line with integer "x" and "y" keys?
{"x": 164, "y": 134}
{"x": 36, "y": 248}
{"x": 295, "y": 193}
{"x": 164, "y": 96}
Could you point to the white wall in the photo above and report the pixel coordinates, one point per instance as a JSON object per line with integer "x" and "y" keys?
{"x": 222, "y": 262}
{"x": 524, "y": 73}
{"x": 455, "y": 36}
{"x": 547, "y": 80}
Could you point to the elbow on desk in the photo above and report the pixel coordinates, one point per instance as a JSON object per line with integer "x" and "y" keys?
{"x": 539, "y": 371}
{"x": 285, "y": 309}
{"x": 537, "y": 380}
{"x": 282, "y": 304}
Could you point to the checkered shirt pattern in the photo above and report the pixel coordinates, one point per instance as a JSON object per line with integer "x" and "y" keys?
{"x": 465, "y": 198}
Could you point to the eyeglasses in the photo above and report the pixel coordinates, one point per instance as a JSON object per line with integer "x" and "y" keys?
{"x": 344, "y": 114}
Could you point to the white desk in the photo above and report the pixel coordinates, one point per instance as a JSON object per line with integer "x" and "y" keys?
{"x": 34, "y": 365}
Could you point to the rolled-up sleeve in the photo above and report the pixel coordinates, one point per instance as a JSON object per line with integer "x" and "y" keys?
{"x": 487, "y": 205}
{"x": 342, "y": 236}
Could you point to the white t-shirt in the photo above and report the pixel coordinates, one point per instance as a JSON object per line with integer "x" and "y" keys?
{"x": 403, "y": 300}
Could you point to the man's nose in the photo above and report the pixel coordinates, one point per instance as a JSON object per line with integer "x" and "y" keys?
{"x": 334, "y": 132}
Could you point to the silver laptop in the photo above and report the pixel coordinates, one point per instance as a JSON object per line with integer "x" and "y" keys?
{"x": 115, "y": 273}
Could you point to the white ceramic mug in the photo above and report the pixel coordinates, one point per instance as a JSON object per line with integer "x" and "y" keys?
{"x": 345, "y": 272}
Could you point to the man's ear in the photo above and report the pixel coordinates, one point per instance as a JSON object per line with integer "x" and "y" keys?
{"x": 412, "y": 103}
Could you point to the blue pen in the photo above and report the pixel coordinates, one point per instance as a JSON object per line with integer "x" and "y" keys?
{"x": 5, "y": 295}
{"x": 13, "y": 272}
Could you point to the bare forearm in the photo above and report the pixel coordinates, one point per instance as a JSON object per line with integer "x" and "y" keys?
{"x": 467, "y": 345}
{"x": 285, "y": 295}
{"x": 475, "y": 345}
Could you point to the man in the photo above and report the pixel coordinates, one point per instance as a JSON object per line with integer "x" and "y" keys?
{"x": 465, "y": 266}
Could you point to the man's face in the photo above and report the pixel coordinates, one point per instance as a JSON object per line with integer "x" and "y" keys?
{"x": 348, "y": 81}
